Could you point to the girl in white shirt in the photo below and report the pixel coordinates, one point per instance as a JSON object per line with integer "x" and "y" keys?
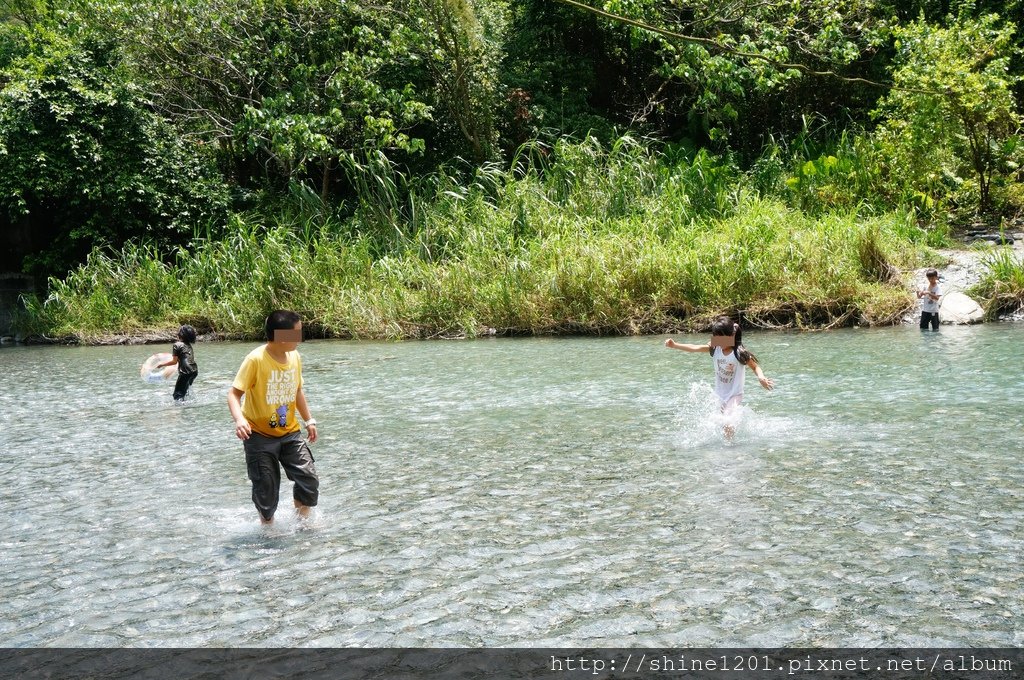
{"x": 729, "y": 357}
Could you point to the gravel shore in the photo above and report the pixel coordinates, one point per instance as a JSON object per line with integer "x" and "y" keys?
{"x": 964, "y": 268}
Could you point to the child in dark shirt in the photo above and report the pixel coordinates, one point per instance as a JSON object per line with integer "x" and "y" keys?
{"x": 183, "y": 355}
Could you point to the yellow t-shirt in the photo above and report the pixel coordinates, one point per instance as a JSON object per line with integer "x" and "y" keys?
{"x": 270, "y": 388}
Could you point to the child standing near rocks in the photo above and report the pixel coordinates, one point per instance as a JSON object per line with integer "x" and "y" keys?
{"x": 930, "y": 301}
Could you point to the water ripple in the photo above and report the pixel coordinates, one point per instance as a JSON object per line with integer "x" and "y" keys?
{"x": 526, "y": 492}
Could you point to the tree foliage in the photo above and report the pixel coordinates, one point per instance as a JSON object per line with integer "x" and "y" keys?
{"x": 114, "y": 113}
{"x": 569, "y": 73}
{"x": 460, "y": 44}
{"x": 288, "y": 89}
{"x": 722, "y": 56}
{"x": 83, "y": 161}
{"x": 952, "y": 109}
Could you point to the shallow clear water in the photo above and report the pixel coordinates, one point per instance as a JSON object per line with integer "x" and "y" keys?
{"x": 528, "y": 492}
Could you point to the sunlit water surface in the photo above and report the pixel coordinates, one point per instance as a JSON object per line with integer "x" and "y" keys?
{"x": 527, "y": 493}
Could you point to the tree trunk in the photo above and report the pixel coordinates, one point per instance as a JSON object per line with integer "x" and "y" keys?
{"x": 325, "y": 180}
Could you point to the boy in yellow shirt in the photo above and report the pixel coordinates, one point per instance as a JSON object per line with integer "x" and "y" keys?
{"x": 270, "y": 379}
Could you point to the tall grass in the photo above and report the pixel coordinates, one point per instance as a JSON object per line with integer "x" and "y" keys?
{"x": 571, "y": 238}
{"x": 1002, "y": 285}
{"x": 821, "y": 171}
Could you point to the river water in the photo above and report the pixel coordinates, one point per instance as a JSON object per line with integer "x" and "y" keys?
{"x": 527, "y": 492}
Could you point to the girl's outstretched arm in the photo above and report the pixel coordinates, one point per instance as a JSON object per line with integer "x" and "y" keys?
{"x": 672, "y": 344}
{"x": 766, "y": 383}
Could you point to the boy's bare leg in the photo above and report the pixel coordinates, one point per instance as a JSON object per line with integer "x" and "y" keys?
{"x": 730, "y": 432}
{"x": 302, "y": 510}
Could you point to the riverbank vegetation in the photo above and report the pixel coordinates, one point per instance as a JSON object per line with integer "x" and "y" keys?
{"x": 449, "y": 168}
{"x": 600, "y": 242}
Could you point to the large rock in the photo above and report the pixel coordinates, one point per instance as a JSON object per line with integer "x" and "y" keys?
{"x": 957, "y": 308}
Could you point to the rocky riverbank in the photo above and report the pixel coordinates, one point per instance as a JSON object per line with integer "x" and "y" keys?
{"x": 964, "y": 268}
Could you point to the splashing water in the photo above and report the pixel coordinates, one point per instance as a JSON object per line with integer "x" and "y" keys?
{"x": 700, "y": 422}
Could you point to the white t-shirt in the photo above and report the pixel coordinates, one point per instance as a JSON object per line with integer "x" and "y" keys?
{"x": 928, "y": 304}
{"x": 729, "y": 375}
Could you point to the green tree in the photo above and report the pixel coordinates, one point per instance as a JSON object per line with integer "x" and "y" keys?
{"x": 287, "y": 89}
{"x": 26, "y": 12}
{"x": 567, "y": 72}
{"x": 952, "y": 106}
{"x": 717, "y": 58}
{"x": 461, "y": 44}
{"x": 84, "y": 162}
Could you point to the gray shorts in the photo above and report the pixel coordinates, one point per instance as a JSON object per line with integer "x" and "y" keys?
{"x": 264, "y": 458}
